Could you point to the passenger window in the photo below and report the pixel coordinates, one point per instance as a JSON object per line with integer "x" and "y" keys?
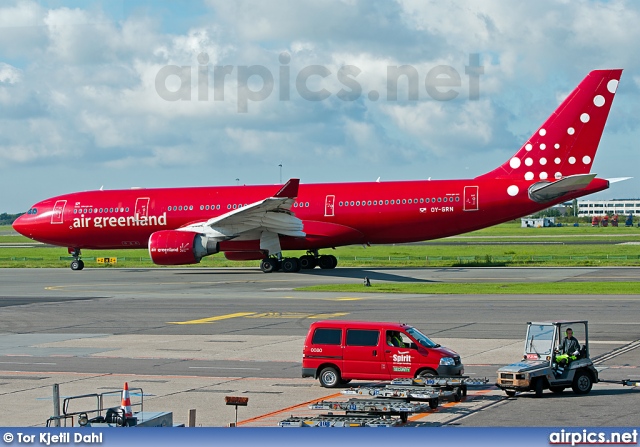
{"x": 360, "y": 337}
{"x": 327, "y": 337}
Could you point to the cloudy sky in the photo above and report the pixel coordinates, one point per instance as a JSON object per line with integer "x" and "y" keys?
{"x": 216, "y": 92}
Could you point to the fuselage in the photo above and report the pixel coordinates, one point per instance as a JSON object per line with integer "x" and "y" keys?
{"x": 333, "y": 214}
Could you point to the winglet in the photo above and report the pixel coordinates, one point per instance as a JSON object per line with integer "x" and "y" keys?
{"x": 290, "y": 189}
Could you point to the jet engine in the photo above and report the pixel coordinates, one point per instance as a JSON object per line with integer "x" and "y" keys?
{"x": 171, "y": 247}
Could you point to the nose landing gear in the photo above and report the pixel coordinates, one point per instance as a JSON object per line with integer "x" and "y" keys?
{"x": 77, "y": 263}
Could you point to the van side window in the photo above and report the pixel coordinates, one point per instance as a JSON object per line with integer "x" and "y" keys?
{"x": 327, "y": 337}
{"x": 359, "y": 337}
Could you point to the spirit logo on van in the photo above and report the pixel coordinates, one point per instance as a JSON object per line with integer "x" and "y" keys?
{"x": 402, "y": 357}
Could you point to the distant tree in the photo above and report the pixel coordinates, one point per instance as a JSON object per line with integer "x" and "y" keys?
{"x": 549, "y": 212}
{"x": 8, "y": 219}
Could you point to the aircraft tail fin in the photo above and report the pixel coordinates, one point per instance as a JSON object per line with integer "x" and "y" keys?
{"x": 566, "y": 143}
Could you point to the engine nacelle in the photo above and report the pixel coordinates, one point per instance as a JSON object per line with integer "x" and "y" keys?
{"x": 171, "y": 247}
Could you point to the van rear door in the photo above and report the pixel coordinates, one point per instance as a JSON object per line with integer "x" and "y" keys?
{"x": 362, "y": 355}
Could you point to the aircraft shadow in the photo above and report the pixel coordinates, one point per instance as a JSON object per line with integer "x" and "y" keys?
{"x": 352, "y": 273}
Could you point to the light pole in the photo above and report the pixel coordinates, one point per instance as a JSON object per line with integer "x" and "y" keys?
{"x": 280, "y": 165}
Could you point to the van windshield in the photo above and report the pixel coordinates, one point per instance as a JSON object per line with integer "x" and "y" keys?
{"x": 421, "y": 338}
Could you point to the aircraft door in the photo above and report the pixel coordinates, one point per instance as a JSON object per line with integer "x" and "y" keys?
{"x": 58, "y": 212}
{"x": 471, "y": 198}
{"x": 142, "y": 208}
{"x": 329, "y": 206}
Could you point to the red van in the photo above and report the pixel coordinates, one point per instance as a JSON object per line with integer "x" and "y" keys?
{"x": 335, "y": 352}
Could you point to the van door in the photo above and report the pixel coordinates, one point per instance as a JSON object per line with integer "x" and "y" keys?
{"x": 402, "y": 361}
{"x": 362, "y": 355}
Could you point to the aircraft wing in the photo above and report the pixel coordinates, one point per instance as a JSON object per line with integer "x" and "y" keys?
{"x": 272, "y": 215}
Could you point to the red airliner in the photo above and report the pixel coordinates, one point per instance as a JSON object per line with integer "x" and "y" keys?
{"x": 182, "y": 225}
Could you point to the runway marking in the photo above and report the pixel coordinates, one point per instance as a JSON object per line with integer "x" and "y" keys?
{"x": 287, "y": 409}
{"x": 222, "y": 367}
{"x": 27, "y": 363}
{"x": 470, "y": 397}
{"x": 346, "y": 298}
{"x": 296, "y": 315}
{"x": 212, "y": 319}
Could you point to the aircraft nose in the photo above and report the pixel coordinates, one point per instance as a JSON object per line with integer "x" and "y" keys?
{"x": 23, "y": 225}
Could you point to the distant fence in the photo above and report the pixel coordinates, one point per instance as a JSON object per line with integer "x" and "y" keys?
{"x": 460, "y": 259}
{"x": 399, "y": 259}
{"x": 517, "y": 258}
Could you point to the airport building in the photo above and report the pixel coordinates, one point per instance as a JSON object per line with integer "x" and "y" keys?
{"x": 621, "y": 207}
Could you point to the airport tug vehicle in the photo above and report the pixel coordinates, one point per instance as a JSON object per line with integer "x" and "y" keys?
{"x": 539, "y": 369}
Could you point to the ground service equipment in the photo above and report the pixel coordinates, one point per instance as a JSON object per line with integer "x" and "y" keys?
{"x": 539, "y": 370}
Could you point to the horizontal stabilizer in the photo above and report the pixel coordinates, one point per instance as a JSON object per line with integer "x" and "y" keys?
{"x": 547, "y": 191}
{"x": 618, "y": 179}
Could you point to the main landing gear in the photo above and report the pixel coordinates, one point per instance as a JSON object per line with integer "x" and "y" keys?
{"x": 77, "y": 263}
{"x": 309, "y": 261}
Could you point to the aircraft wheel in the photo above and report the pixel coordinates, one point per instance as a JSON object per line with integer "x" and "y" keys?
{"x": 334, "y": 261}
{"x": 325, "y": 262}
{"x": 81, "y": 262}
{"x": 308, "y": 262}
{"x": 75, "y": 265}
{"x": 268, "y": 265}
{"x": 290, "y": 265}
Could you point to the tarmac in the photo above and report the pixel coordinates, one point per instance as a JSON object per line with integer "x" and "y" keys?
{"x": 190, "y": 337}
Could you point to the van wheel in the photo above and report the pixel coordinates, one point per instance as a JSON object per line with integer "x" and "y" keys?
{"x": 427, "y": 374}
{"x": 329, "y": 377}
{"x": 582, "y": 383}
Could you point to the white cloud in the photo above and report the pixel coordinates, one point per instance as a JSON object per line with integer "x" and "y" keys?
{"x": 9, "y": 74}
{"x": 78, "y": 87}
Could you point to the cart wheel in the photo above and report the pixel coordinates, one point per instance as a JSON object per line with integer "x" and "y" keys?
{"x": 539, "y": 387}
{"x": 510, "y": 393}
{"x": 457, "y": 395}
{"x": 582, "y": 383}
{"x": 404, "y": 417}
{"x": 433, "y": 404}
{"x": 464, "y": 390}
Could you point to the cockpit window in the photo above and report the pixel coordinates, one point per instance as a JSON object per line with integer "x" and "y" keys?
{"x": 33, "y": 211}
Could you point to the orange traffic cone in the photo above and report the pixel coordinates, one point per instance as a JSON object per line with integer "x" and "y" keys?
{"x": 126, "y": 401}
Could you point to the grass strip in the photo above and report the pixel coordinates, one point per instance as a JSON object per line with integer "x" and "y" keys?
{"x": 560, "y": 288}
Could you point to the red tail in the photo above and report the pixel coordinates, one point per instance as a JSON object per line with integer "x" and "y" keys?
{"x": 566, "y": 143}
